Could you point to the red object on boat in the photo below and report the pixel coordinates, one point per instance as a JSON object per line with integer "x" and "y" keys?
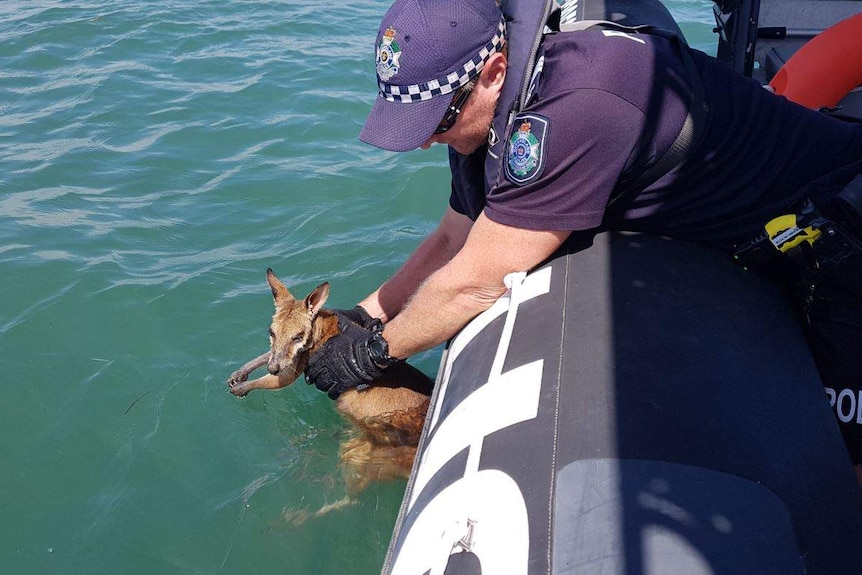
{"x": 826, "y": 68}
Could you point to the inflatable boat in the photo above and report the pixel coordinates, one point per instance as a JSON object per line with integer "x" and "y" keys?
{"x": 644, "y": 406}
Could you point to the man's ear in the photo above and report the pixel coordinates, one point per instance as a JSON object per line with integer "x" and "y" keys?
{"x": 494, "y": 72}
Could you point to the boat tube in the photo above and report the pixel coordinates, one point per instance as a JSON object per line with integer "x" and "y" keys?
{"x": 643, "y": 406}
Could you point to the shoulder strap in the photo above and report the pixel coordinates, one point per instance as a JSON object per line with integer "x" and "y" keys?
{"x": 580, "y": 25}
{"x": 525, "y": 26}
{"x": 692, "y": 128}
{"x": 686, "y": 140}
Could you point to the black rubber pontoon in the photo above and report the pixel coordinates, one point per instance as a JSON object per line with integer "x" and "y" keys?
{"x": 641, "y": 407}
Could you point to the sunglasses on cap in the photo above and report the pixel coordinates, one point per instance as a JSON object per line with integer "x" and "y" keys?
{"x": 458, "y": 100}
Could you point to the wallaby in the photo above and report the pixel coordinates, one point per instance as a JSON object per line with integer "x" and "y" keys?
{"x": 388, "y": 416}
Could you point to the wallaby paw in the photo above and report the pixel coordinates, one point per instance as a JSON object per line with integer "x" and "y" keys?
{"x": 237, "y": 383}
{"x": 238, "y": 376}
{"x": 239, "y": 391}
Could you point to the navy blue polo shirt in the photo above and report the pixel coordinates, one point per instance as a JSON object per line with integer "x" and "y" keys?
{"x": 608, "y": 104}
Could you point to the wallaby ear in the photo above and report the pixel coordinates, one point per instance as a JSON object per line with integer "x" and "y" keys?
{"x": 279, "y": 292}
{"x": 317, "y": 298}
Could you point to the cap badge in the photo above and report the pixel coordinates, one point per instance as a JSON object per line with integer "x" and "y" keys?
{"x": 525, "y": 153}
{"x": 388, "y": 54}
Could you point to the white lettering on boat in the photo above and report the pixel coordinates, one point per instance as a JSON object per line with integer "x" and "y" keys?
{"x": 847, "y": 404}
{"x": 483, "y": 512}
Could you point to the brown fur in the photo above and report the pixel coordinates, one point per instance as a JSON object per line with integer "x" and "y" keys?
{"x": 387, "y": 417}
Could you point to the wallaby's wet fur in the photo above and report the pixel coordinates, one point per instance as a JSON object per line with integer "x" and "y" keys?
{"x": 388, "y": 416}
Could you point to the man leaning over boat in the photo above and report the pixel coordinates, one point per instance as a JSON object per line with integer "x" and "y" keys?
{"x": 555, "y": 136}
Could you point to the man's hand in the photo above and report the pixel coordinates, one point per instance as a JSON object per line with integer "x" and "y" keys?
{"x": 343, "y": 362}
{"x": 360, "y": 317}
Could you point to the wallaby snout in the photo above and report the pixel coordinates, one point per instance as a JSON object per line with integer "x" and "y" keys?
{"x": 272, "y": 366}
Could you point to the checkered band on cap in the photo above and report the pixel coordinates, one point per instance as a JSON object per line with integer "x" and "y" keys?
{"x": 450, "y": 82}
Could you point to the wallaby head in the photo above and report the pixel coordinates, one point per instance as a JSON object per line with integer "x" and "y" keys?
{"x": 292, "y": 333}
{"x": 298, "y": 328}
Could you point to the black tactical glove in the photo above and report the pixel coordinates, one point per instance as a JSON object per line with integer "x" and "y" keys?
{"x": 345, "y": 360}
{"x": 360, "y": 317}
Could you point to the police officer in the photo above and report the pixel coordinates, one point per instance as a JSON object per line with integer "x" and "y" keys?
{"x": 611, "y": 130}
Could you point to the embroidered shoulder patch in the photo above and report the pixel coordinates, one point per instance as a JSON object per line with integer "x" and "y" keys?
{"x": 525, "y": 153}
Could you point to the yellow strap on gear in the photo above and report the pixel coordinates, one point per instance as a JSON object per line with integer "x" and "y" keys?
{"x": 786, "y": 235}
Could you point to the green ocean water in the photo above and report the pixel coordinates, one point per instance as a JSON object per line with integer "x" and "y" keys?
{"x": 155, "y": 159}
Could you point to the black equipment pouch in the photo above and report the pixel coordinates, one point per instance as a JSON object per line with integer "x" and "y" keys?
{"x": 809, "y": 237}
{"x": 850, "y": 199}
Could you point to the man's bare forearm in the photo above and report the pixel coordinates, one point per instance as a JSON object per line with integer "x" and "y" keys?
{"x": 393, "y": 295}
{"x": 467, "y": 285}
{"x": 444, "y": 304}
{"x": 431, "y": 255}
